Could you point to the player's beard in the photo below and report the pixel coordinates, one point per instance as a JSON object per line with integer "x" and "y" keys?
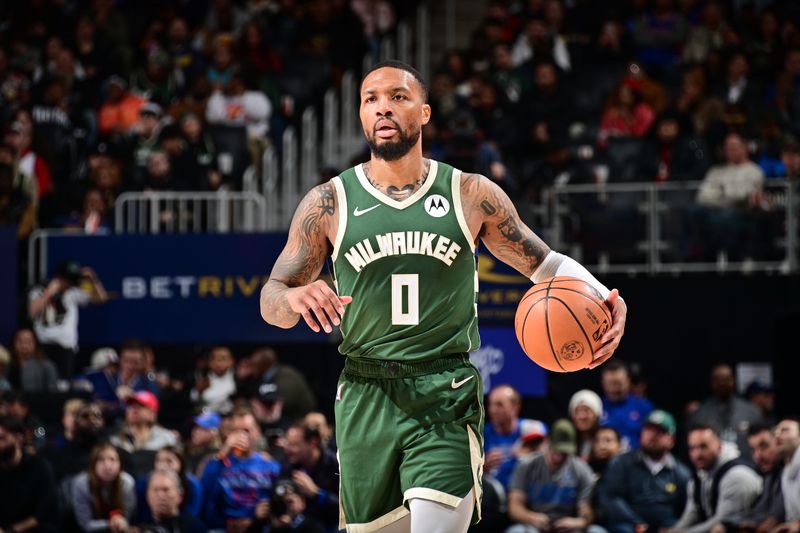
{"x": 394, "y": 150}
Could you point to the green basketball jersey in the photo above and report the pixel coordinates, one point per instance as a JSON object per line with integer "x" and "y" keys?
{"x": 409, "y": 266}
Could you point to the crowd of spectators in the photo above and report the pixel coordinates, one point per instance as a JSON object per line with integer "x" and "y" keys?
{"x": 100, "y": 97}
{"x": 587, "y": 472}
{"x": 237, "y": 444}
{"x": 555, "y": 92}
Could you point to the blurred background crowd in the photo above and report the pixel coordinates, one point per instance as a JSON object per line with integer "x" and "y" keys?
{"x": 100, "y": 97}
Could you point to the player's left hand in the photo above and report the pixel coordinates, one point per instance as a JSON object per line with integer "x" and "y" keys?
{"x": 305, "y": 483}
{"x": 611, "y": 338}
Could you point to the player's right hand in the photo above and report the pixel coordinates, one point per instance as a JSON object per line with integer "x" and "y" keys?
{"x": 318, "y": 305}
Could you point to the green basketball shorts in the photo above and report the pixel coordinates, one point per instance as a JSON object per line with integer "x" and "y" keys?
{"x": 407, "y": 431}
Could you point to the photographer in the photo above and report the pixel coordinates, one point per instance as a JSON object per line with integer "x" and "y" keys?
{"x": 54, "y": 311}
{"x": 314, "y": 472}
{"x": 285, "y": 511}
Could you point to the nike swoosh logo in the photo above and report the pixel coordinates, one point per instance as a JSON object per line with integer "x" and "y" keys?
{"x": 456, "y": 384}
{"x": 358, "y": 212}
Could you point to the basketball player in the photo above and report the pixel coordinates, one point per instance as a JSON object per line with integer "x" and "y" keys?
{"x": 401, "y": 231}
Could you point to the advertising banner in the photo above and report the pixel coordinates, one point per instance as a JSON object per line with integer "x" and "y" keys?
{"x": 501, "y": 361}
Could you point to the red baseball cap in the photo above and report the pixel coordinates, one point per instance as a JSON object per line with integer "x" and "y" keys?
{"x": 145, "y": 399}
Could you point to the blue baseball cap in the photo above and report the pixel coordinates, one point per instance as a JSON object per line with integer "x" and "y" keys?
{"x": 208, "y": 420}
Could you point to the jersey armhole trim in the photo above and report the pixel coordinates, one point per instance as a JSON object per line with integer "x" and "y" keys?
{"x": 455, "y": 183}
{"x": 341, "y": 200}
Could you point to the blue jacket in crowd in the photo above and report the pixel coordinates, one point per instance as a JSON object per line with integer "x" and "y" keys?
{"x": 631, "y": 494}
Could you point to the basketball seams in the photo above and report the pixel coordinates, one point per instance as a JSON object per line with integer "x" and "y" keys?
{"x": 547, "y": 326}
{"x": 577, "y": 321}
{"x": 602, "y": 305}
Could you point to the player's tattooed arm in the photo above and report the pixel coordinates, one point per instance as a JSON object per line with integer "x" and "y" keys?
{"x": 293, "y": 289}
{"x": 491, "y": 216}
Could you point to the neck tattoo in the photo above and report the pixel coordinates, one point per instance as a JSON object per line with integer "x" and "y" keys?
{"x": 399, "y": 193}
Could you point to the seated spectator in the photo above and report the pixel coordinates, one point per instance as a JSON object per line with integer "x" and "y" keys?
{"x": 94, "y": 214}
{"x": 143, "y": 140}
{"x": 113, "y": 384}
{"x": 787, "y": 437}
{"x": 103, "y": 496}
{"x": 585, "y": 410}
{"x": 16, "y": 207}
{"x": 738, "y": 92}
{"x": 708, "y": 36}
{"x": 29, "y": 161}
{"x": 645, "y": 489}
{"x": 239, "y": 106}
{"x": 787, "y": 95}
{"x": 204, "y": 442}
{"x": 768, "y": 511}
{"x": 552, "y": 490}
{"x": 15, "y": 403}
{"x": 68, "y": 412}
{"x": 622, "y": 410}
{"x": 170, "y": 459}
{"x": 239, "y": 478}
{"x": 5, "y": 362}
{"x": 27, "y": 487}
{"x": 71, "y": 456}
{"x": 198, "y": 145}
{"x": 606, "y": 445}
{"x": 737, "y": 183}
{"x": 659, "y": 34}
{"x": 723, "y": 487}
{"x": 533, "y": 437}
{"x": 119, "y": 113}
{"x": 164, "y": 495}
{"x": 725, "y": 410}
{"x": 790, "y": 158}
{"x": 762, "y": 397}
{"x": 672, "y": 153}
{"x": 626, "y": 114}
{"x": 141, "y": 435}
{"x": 213, "y": 391}
{"x": 317, "y": 420}
{"x": 32, "y": 371}
{"x": 159, "y": 176}
{"x": 298, "y": 399}
{"x": 267, "y": 406}
{"x": 156, "y": 80}
{"x": 314, "y": 471}
{"x": 502, "y": 433}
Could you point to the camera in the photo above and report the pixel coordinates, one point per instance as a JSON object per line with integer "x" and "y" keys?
{"x": 282, "y": 489}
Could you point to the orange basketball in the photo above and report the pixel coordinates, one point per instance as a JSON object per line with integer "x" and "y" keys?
{"x": 559, "y": 323}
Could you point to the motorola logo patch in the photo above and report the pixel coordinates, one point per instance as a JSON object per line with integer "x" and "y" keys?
{"x": 437, "y": 205}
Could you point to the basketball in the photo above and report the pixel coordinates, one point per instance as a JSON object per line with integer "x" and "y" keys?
{"x": 559, "y": 323}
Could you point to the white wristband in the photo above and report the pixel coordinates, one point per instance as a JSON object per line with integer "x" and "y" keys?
{"x": 556, "y": 264}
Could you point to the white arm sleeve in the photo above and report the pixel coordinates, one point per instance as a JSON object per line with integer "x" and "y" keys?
{"x": 556, "y": 264}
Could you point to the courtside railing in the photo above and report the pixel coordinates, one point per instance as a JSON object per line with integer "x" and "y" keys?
{"x": 190, "y": 212}
{"x": 659, "y": 228}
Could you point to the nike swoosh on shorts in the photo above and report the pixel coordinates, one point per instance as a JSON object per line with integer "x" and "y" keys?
{"x": 456, "y": 384}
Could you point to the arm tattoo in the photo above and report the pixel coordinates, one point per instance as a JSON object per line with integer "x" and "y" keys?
{"x": 302, "y": 259}
{"x": 502, "y": 231}
{"x": 487, "y": 207}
